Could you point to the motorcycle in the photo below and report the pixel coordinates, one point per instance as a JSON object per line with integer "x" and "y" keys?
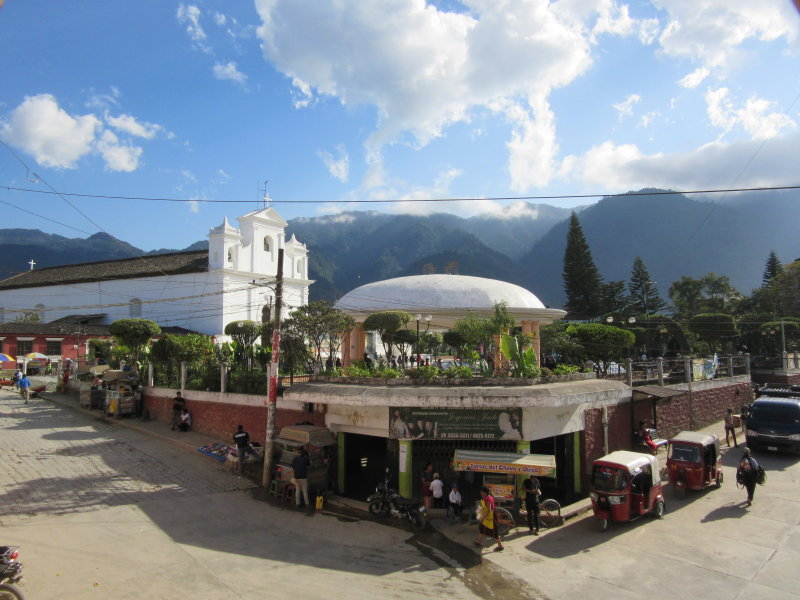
{"x": 10, "y": 573}
{"x": 386, "y": 502}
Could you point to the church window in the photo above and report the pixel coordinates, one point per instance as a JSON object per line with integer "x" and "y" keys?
{"x": 267, "y": 245}
{"x": 135, "y": 308}
{"x": 230, "y": 256}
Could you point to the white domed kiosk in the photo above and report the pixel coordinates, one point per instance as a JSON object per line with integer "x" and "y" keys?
{"x": 446, "y": 298}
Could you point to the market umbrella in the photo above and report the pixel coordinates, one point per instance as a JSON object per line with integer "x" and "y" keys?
{"x": 35, "y": 355}
{"x": 7, "y": 358}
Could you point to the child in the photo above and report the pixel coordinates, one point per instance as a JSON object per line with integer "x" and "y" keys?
{"x": 454, "y": 504}
{"x": 437, "y": 490}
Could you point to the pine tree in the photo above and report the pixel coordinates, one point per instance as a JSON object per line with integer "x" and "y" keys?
{"x": 582, "y": 281}
{"x": 773, "y": 268}
{"x": 643, "y": 292}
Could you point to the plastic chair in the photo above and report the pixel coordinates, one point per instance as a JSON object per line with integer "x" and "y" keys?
{"x": 282, "y": 487}
{"x": 273, "y": 488}
{"x": 291, "y": 490}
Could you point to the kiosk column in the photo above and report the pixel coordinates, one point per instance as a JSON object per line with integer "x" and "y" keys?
{"x": 405, "y": 478}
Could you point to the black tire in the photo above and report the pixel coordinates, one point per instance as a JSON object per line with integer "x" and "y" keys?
{"x": 602, "y": 524}
{"x": 379, "y": 509}
{"x": 719, "y": 479}
{"x": 660, "y": 508}
{"x": 9, "y": 592}
{"x": 505, "y": 521}
{"x": 418, "y": 522}
{"x": 550, "y": 513}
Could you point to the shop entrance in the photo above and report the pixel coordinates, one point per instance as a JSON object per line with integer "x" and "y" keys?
{"x": 366, "y": 459}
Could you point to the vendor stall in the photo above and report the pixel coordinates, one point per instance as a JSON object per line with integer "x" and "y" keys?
{"x": 121, "y": 395}
{"x": 317, "y": 441}
{"x": 500, "y": 468}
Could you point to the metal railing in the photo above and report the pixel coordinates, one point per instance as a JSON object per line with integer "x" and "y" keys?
{"x": 666, "y": 371}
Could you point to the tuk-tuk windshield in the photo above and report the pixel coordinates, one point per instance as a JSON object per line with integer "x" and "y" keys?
{"x": 684, "y": 452}
{"x": 609, "y": 479}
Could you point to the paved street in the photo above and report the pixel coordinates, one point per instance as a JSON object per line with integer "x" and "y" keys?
{"x": 105, "y": 511}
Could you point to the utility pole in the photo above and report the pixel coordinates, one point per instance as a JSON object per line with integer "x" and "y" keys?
{"x": 272, "y": 402}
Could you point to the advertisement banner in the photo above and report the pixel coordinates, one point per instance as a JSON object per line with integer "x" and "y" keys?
{"x": 456, "y": 424}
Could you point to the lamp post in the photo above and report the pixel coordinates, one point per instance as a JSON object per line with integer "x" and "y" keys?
{"x": 427, "y": 318}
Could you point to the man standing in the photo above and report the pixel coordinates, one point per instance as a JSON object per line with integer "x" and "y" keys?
{"x": 300, "y": 466}
{"x": 242, "y": 440}
{"x": 730, "y": 429}
{"x": 533, "y": 492}
{"x": 178, "y": 404}
{"x": 747, "y": 473}
{"x": 25, "y": 387}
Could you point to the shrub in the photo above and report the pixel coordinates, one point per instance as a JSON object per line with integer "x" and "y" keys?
{"x": 424, "y": 374}
{"x": 566, "y": 369}
{"x": 387, "y": 373}
{"x": 456, "y": 372}
{"x": 357, "y": 369}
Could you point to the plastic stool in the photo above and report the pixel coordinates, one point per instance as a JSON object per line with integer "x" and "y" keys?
{"x": 291, "y": 490}
{"x": 281, "y": 493}
{"x": 273, "y": 488}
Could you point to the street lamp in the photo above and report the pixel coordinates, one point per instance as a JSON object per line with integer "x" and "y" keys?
{"x": 427, "y": 318}
{"x": 631, "y": 320}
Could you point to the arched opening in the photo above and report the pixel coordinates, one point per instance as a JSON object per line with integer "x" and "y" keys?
{"x": 267, "y": 244}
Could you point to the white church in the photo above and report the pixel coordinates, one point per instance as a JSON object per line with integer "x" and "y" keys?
{"x": 200, "y": 291}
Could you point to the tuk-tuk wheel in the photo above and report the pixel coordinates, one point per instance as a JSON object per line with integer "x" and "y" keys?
{"x": 603, "y": 524}
{"x": 659, "y": 512}
{"x": 719, "y": 479}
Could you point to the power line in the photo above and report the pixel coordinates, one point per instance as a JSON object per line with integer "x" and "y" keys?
{"x": 391, "y": 200}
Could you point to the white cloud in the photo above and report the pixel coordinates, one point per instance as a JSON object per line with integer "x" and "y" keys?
{"x": 189, "y": 15}
{"x": 194, "y": 206}
{"x": 40, "y": 127}
{"x": 754, "y": 117}
{"x": 338, "y": 166}
{"x": 103, "y": 101}
{"x": 220, "y": 19}
{"x": 614, "y": 168}
{"x": 425, "y": 69}
{"x": 533, "y": 147}
{"x": 230, "y": 72}
{"x": 130, "y": 125}
{"x": 118, "y": 157}
{"x": 712, "y": 32}
{"x": 647, "y": 119}
{"x": 695, "y": 78}
{"x": 625, "y": 109}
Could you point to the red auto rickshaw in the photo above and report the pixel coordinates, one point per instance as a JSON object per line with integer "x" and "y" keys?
{"x": 693, "y": 461}
{"x": 625, "y": 486}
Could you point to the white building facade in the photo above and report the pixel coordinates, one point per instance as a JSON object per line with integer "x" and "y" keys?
{"x": 200, "y": 290}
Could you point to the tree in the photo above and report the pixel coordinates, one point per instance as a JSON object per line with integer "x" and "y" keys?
{"x": 319, "y": 322}
{"x": 518, "y": 350}
{"x": 135, "y": 334}
{"x": 713, "y": 327}
{"x": 719, "y": 293}
{"x": 582, "y": 280}
{"x": 787, "y": 286}
{"x": 455, "y": 340}
{"x": 387, "y": 323}
{"x": 245, "y": 333}
{"x": 603, "y": 343}
{"x": 772, "y": 269}
{"x": 687, "y": 297}
{"x": 430, "y": 342}
{"x": 406, "y": 340}
{"x": 337, "y": 324}
{"x": 643, "y": 292}
{"x": 293, "y": 345}
{"x": 171, "y": 350}
{"x": 612, "y": 297}
{"x": 28, "y": 316}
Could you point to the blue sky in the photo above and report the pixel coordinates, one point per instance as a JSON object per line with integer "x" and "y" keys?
{"x": 342, "y": 101}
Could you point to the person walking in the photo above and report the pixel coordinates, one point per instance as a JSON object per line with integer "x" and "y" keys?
{"x": 25, "y": 387}
{"x": 730, "y": 429}
{"x": 300, "y": 466}
{"x": 486, "y": 525}
{"x": 747, "y": 474}
{"x": 178, "y": 404}
{"x": 454, "y": 504}
{"x": 533, "y": 492}
{"x": 242, "y": 440}
{"x": 437, "y": 491}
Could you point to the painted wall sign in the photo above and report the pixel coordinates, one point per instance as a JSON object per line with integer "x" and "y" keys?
{"x": 456, "y": 424}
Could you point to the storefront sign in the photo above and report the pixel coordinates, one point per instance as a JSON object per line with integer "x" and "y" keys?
{"x": 501, "y": 491}
{"x": 540, "y": 465}
{"x": 458, "y": 424}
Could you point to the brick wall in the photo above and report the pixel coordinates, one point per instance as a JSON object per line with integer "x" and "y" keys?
{"x": 219, "y": 419}
{"x": 708, "y": 406}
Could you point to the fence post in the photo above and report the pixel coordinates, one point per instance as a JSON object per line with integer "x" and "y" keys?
{"x": 629, "y": 371}
{"x": 183, "y": 375}
{"x": 785, "y": 361}
{"x": 747, "y": 364}
{"x": 150, "y": 374}
{"x": 660, "y": 364}
{"x": 223, "y": 376}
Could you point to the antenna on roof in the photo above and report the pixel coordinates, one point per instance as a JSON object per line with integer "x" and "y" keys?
{"x": 266, "y": 201}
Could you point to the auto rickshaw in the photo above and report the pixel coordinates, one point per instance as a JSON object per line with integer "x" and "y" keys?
{"x": 693, "y": 461}
{"x": 625, "y": 486}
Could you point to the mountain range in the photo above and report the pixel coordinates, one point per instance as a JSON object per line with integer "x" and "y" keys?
{"x": 675, "y": 235}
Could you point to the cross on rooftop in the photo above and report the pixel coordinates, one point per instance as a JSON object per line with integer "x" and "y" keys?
{"x": 31, "y": 262}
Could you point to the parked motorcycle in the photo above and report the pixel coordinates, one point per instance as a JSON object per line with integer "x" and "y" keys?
{"x": 386, "y": 502}
{"x": 10, "y": 573}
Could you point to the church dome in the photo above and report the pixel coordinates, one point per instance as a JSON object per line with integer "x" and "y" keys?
{"x": 446, "y": 297}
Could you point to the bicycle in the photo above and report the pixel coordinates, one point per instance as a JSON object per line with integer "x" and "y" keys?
{"x": 549, "y": 516}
